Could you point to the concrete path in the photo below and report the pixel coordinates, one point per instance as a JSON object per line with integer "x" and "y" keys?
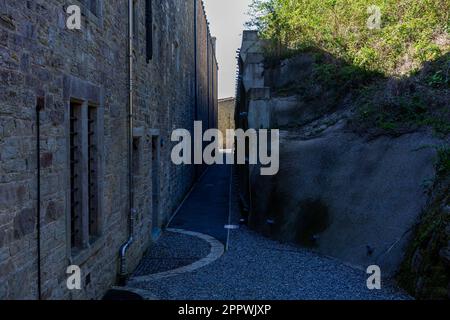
{"x": 206, "y": 208}
{"x": 253, "y": 267}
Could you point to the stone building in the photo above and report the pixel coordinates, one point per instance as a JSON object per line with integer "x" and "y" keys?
{"x": 226, "y": 120}
{"x": 100, "y": 183}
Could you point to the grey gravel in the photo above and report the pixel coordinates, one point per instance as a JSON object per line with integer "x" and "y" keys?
{"x": 257, "y": 268}
{"x": 171, "y": 251}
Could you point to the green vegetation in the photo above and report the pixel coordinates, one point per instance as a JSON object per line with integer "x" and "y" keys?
{"x": 424, "y": 273}
{"x": 396, "y": 79}
{"x": 404, "y": 105}
{"x": 398, "y": 76}
{"x": 443, "y": 162}
{"x": 412, "y": 32}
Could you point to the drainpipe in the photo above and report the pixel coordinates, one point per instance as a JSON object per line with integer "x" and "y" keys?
{"x": 124, "y": 248}
{"x": 39, "y": 107}
{"x": 195, "y": 61}
{"x": 197, "y": 169}
{"x": 207, "y": 78}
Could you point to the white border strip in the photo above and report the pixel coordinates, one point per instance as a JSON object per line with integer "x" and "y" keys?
{"x": 217, "y": 250}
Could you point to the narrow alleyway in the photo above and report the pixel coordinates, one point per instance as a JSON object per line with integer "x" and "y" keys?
{"x": 253, "y": 267}
{"x": 206, "y": 208}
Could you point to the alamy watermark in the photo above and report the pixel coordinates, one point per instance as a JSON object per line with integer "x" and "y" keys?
{"x": 73, "y": 22}
{"x": 374, "y": 280}
{"x": 74, "y": 279}
{"x": 252, "y": 147}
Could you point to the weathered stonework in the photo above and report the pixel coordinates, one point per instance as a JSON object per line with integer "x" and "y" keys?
{"x": 226, "y": 120}
{"x": 39, "y": 56}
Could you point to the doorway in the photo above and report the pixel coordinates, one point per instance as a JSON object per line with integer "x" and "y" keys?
{"x": 156, "y": 221}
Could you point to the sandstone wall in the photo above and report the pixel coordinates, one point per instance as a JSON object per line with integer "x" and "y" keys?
{"x": 348, "y": 195}
{"x": 226, "y": 120}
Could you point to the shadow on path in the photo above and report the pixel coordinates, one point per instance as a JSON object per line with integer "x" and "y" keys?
{"x": 206, "y": 209}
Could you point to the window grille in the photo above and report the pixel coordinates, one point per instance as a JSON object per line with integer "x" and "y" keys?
{"x": 92, "y": 172}
{"x": 84, "y": 175}
{"x": 75, "y": 175}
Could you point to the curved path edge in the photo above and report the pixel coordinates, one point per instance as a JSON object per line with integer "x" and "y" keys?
{"x": 217, "y": 250}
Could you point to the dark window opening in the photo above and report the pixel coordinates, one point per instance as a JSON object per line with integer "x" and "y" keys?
{"x": 136, "y": 163}
{"x": 136, "y": 171}
{"x": 85, "y": 173}
{"x": 155, "y": 185}
{"x": 149, "y": 29}
{"x": 75, "y": 176}
{"x": 92, "y": 172}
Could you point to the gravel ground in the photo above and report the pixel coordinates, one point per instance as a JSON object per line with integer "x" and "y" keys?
{"x": 257, "y": 268}
{"x": 162, "y": 256}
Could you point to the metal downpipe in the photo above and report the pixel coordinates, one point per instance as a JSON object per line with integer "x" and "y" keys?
{"x": 124, "y": 248}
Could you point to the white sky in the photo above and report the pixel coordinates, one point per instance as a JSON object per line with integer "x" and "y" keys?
{"x": 227, "y": 18}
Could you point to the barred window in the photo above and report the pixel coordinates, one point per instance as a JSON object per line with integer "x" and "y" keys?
{"x": 76, "y": 209}
{"x": 84, "y": 175}
{"x": 93, "y": 172}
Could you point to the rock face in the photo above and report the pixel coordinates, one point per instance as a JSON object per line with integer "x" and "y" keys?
{"x": 425, "y": 271}
{"x": 353, "y": 199}
{"x": 445, "y": 255}
{"x": 348, "y": 194}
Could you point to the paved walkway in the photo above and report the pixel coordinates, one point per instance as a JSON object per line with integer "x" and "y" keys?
{"x": 252, "y": 268}
{"x": 206, "y": 208}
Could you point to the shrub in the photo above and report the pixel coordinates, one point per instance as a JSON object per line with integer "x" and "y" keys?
{"x": 408, "y": 30}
